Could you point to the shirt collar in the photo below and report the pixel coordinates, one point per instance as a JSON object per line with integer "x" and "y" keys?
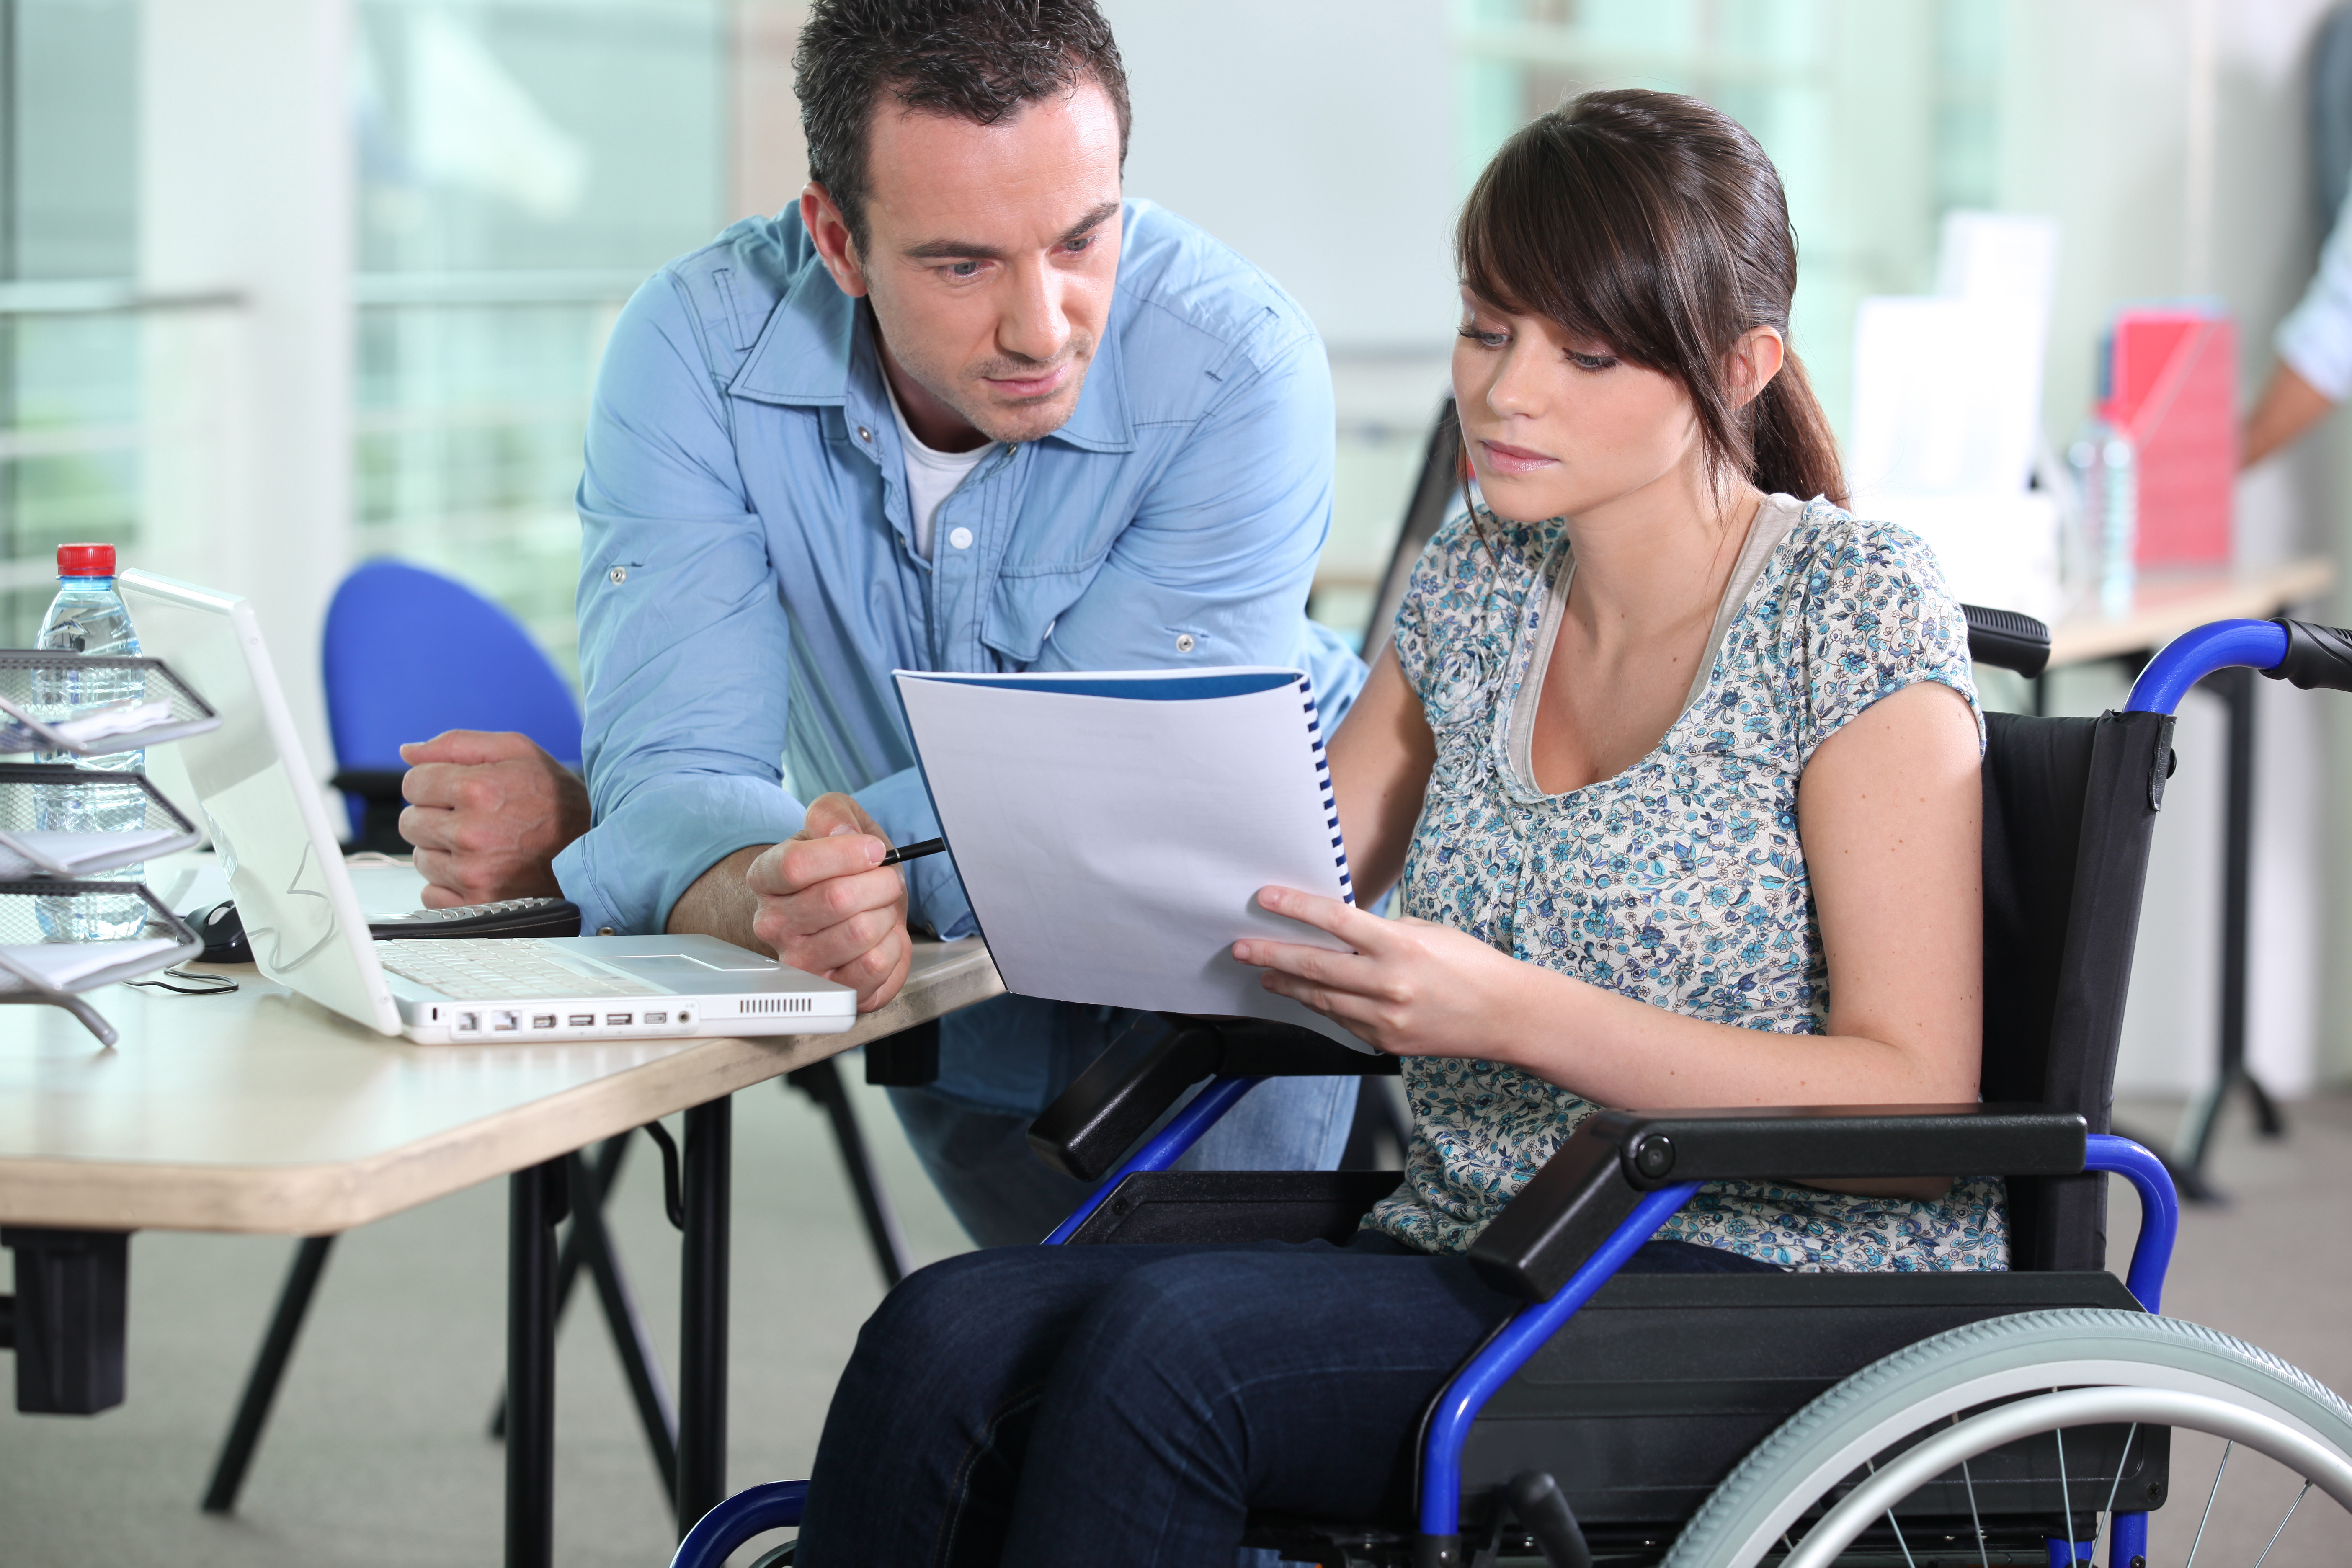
{"x": 804, "y": 355}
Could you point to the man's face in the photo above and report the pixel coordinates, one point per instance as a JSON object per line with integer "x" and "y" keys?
{"x": 990, "y": 257}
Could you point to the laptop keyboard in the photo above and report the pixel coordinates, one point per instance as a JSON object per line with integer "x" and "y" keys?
{"x": 497, "y": 969}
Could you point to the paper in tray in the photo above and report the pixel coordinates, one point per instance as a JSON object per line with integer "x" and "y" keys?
{"x": 41, "y": 853}
{"x": 52, "y": 813}
{"x": 39, "y": 710}
{"x": 33, "y": 961}
{"x": 68, "y": 966}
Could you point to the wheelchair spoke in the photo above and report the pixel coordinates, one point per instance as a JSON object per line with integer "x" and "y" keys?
{"x": 1891, "y": 1523}
{"x": 2108, "y": 1512}
{"x": 2204, "y": 1518}
{"x": 2066, "y": 1500}
{"x": 1983, "y": 1557}
{"x": 1975, "y": 1523}
{"x": 2282, "y": 1529}
{"x": 2121, "y": 1466}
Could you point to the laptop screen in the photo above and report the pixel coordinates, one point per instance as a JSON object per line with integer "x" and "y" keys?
{"x": 256, "y": 798}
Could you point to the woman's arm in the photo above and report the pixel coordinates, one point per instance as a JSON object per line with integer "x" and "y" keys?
{"x": 1889, "y": 811}
{"x": 1380, "y": 760}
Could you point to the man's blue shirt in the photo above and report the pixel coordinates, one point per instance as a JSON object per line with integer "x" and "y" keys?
{"x": 748, "y": 577}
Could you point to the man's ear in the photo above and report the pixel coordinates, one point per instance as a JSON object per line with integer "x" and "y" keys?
{"x": 829, "y": 231}
{"x": 1756, "y": 359}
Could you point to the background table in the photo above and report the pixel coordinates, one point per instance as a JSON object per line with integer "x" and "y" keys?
{"x": 263, "y": 1113}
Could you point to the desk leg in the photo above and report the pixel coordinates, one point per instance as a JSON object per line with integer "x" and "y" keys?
{"x": 702, "y": 1300}
{"x": 2236, "y": 688}
{"x": 536, "y": 1203}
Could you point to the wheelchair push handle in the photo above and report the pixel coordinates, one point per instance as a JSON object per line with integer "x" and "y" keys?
{"x": 2316, "y": 657}
{"x": 2302, "y": 653}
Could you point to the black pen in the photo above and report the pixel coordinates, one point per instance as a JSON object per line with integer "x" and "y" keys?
{"x": 915, "y": 851}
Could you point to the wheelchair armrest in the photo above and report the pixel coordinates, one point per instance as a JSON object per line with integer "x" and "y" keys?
{"x": 1115, "y": 1100}
{"x": 1587, "y": 1189}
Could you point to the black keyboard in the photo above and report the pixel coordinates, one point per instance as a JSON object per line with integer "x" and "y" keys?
{"x": 508, "y": 917}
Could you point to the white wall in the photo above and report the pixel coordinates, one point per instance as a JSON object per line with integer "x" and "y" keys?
{"x": 245, "y": 186}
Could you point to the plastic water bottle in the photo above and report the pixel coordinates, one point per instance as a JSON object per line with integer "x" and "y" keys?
{"x": 2107, "y": 475}
{"x": 87, "y": 616}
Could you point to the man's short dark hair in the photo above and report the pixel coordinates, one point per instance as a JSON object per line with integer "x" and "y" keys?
{"x": 980, "y": 60}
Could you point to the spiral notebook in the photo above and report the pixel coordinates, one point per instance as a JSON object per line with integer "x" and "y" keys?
{"x": 1112, "y": 830}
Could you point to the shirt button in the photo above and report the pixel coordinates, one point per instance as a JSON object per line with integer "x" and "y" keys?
{"x": 619, "y": 573}
{"x": 864, "y": 434}
{"x": 961, "y": 538}
{"x": 1184, "y": 642}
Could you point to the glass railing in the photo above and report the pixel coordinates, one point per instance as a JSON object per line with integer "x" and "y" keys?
{"x": 473, "y": 391}
{"x": 113, "y": 410}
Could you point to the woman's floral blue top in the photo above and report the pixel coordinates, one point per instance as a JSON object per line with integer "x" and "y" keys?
{"x": 1681, "y": 881}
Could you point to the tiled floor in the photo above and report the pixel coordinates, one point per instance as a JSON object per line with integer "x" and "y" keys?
{"x": 377, "y": 1454}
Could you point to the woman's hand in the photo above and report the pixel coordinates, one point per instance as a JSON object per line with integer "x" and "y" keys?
{"x": 1410, "y": 988}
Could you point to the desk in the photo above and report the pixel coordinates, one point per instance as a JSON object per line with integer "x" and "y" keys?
{"x": 2163, "y": 607}
{"x": 263, "y": 1113}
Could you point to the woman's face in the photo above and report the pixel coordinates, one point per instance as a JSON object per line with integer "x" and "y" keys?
{"x": 1557, "y": 426}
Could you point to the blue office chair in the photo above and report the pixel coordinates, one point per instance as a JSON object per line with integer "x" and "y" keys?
{"x": 409, "y": 653}
{"x": 1707, "y": 1420}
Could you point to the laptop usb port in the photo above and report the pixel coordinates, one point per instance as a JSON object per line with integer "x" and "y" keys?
{"x": 582, "y": 1020}
{"x": 614, "y": 1020}
{"x": 542, "y": 1020}
{"x": 656, "y": 1018}
{"x": 504, "y": 1021}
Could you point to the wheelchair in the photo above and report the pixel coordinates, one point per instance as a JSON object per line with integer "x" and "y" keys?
{"x": 1725, "y": 1420}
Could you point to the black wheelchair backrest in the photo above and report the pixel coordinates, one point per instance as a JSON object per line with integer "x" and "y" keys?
{"x": 2069, "y": 810}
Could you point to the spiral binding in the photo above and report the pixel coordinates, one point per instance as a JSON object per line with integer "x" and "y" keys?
{"x": 1330, "y": 803}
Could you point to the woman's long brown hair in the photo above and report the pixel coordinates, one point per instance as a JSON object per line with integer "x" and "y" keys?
{"x": 1655, "y": 224}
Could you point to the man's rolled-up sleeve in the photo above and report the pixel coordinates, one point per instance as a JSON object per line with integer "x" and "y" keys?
{"x": 683, "y": 642}
{"x": 2316, "y": 336}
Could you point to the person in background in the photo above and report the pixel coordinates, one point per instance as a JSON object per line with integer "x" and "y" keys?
{"x": 964, "y": 408}
{"x": 2314, "y": 373}
{"x": 2315, "y": 343}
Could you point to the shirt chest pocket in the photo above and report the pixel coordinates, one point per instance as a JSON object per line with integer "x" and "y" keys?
{"x": 1023, "y": 607}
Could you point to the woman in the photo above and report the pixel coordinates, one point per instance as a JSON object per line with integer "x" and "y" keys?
{"x": 1680, "y": 774}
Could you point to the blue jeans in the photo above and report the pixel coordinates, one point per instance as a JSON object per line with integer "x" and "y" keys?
{"x": 1002, "y": 1062}
{"x": 1073, "y": 1406}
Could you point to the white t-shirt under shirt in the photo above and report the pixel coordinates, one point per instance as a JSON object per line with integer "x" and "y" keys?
{"x": 931, "y": 477}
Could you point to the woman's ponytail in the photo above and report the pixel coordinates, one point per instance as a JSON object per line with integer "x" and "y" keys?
{"x": 1791, "y": 446}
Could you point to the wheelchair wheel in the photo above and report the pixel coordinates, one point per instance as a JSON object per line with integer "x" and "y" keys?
{"x": 1877, "y": 1469}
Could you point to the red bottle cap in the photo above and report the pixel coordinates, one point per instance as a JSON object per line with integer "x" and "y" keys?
{"x": 85, "y": 561}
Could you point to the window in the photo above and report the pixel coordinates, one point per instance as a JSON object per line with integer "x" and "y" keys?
{"x": 70, "y": 425}
{"x": 1881, "y": 115}
{"x": 524, "y": 165}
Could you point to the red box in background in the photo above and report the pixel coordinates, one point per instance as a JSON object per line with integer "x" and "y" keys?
{"x": 2172, "y": 380}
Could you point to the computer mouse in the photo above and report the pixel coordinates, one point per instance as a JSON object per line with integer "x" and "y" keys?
{"x": 222, "y": 934}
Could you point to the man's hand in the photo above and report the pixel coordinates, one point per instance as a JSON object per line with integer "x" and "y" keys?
{"x": 487, "y": 814}
{"x": 828, "y": 906}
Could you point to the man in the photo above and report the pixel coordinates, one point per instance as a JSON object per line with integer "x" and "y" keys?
{"x": 964, "y": 409}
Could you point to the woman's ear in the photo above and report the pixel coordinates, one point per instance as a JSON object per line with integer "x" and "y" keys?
{"x": 1756, "y": 359}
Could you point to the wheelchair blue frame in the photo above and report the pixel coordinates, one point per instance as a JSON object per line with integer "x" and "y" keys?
{"x": 2178, "y": 666}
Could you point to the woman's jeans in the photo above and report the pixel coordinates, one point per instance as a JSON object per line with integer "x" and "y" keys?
{"x": 1085, "y": 1406}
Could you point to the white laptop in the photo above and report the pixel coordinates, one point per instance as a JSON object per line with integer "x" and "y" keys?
{"x": 268, "y": 823}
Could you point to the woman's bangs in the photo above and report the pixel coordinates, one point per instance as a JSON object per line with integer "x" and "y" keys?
{"x": 1534, "y": 240}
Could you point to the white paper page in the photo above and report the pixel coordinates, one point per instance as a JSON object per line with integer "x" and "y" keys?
{"x": 1113, "y": 846}
{"x": 36, "y": 850}
{"x": 60, "y": 965}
